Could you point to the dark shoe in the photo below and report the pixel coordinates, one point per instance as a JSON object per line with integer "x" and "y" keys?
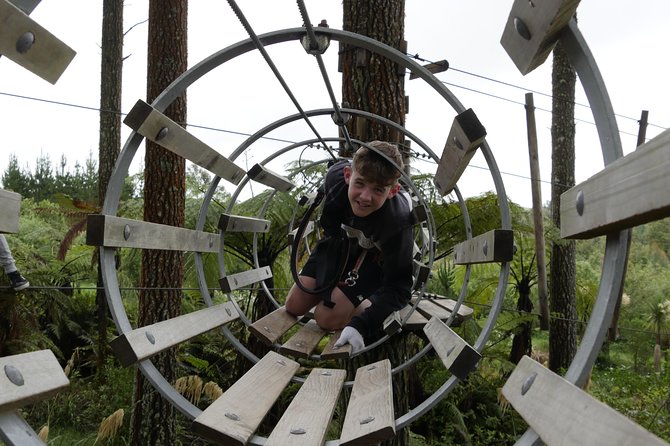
{"x": 18, "y": 281}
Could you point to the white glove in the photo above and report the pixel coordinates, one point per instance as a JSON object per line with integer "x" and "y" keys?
{"x": 352, "y": 337}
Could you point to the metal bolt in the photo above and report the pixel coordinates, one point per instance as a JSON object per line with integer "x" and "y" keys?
{"x": 580, "y": 202}
{"x": 326, "y": 374}
{"x": 367, "y": 420}
{"x": 450, "y": 351}
{"x": 281, "y": 362}
{"x": 457, "y": 143}
{"x": 229, "y": 312}
{"x": 126, "y": 232}
{"x": 25, "y": 42}
{"x": 521, "y": 28}
{"x": 268, "y": 329}
{"x": 162, "y": 133}
{"x": 14, "y": 375}
{"x": 232, "y": 416}
{"x": 372, "y": 367}
{"x": 150, "y": 337}
{"x": 298, "y": 431}
{"x": 485, "y": 248}
{"x": 525, "y": 387}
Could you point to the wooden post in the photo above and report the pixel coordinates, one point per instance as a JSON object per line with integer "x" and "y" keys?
{"x": 537, "y": 212}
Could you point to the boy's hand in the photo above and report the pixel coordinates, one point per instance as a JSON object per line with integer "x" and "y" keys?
{"x": 351, "y": 336}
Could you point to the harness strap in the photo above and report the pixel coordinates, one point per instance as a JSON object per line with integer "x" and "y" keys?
{"x": 352, "y": 276}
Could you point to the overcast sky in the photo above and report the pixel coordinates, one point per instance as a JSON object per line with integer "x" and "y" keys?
{"x": 628, "y": 39}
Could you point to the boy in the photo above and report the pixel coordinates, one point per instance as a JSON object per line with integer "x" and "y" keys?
{"x": 7, "y": 262}
{"x": 365, "y": 205}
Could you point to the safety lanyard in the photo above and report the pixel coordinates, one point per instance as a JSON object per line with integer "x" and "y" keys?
{"x": 352, "y": 276}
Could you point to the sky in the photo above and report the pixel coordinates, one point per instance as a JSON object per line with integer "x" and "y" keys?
{"x": 627, "y": 38}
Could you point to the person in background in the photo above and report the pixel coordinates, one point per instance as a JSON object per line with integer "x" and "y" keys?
{"x": 18, "y": 282}
{"x": 367, "y": 215}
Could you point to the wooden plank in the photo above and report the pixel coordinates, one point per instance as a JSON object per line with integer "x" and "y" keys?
{"x": 239, "y": 280}
{"x": 494, "y": 246}
{"x": 146, "y": 341}
{"x": 430, "y": 310}
{"x": 28, "y": 44}
{"x": 456, "y": 354}
{"x": 10, "y": 203}
{"x": 393, "y": 323}
{"x": 156, "y": 127}
{"x": 309, "y": 228}
{"x": 233, "y": 417}
{"x": 630, "y": 191}
{"x": 464, "y": 312}
{"x": 572, "y": 416}
{"x": 434, "y": 67}
{"x": 533, "y": 28}
{"x": 465, "y": 136}
{"x": 238, "y": 223}
{"x": 370, "y": 419}
{"x": 306, "y": 419}
{"x": 304, "y": 341}
{"x": 263, "y": 175}
{"x": 29, "y": 377}
{"x": 118, "y": 232}
{"x": 271, "y": 327}
{"x": 332, "y": 352}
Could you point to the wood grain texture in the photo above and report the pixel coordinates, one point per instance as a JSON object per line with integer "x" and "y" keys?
{"x": 332, "y": 352}
{"x": 29, "y": 377}
{"x": 271, "y": 327}
{"x": 238, "y": 223}
{"x": 10, "y": 203}
{"x": 493, "y": 246}
{"x": 263, "y": 175}
{"x": 306, "y": 419}
{"x": 370, "y": 419}
{"x": 456, "y": 354}
{"x": 304, "y": 341}
{"x": 562, "y": 414}
{"x": 239, "y": 280}
{"x": 234, "y": 417}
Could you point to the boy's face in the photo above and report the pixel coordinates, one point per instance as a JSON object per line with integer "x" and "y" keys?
{"x": 366, "y": 196}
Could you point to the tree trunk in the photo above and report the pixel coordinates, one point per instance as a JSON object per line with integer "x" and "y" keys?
{"x": 153, "y": 420}
{"x": 372, "y": 83}
{"x": 562, "y": 329}
{"x": 111, "y": 70}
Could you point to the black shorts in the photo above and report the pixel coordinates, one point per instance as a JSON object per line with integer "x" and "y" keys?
{"x": 322, "y": 265}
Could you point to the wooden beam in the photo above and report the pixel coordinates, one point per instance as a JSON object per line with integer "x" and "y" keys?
{"x": 533, "y": 28}
{"x": 465, "y": 136}
{"x": 233, "y": 417}
{"x": 332, "y": 352}
{"x": 493, "y": 246}
{"x": 156, "y": 127}
{"x": 144, "y": 342}
{"x": 456, "y": 354}
{"x": 562, "y": 413}
{"x": 263, "y": 175}
{"x": 370, "y": 418}
{"x": 10, "y": 203}
{"x": 630, "y": 191}
{"x": 272, "y": 326}
{"x": 118, "y": 232}
{"x": 237, "y": 223}
{"x": 304, "y": 341}
{"x": 307, "y": 418}
{"x": 28, "y": 44}
{"x": 29, "y": 377}
{"x": 235, "y": 281}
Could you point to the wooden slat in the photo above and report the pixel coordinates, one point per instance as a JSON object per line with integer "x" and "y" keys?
{"x": 233, "y": 417}
{"x": 456, "y": 354}
{"x": 10, "y": 203}
{"x": 306, "y": 419}
{"x": 533, "y": 28}
{"x": 332, "y": 352}
{"x": 630, "y": 191}
{"x": 393, "y": 323}
{"x": 118, "y": 232}
{"x": 493, "y": 246}
{"x": 465, "y": 136}
{"x": 304, "y": 341}
{"x": 563, "y": 414}
{"x": 271, "y": 327}
{"x": 369, "y": 419}
{"x": 239, "y": 280}
{"x": 29, "y": 377}
{"x": 434, "y": 67}
{"x": 308, "y": 230}
{"x": 28, "y": 44}
{"x": 263, "y": 175}
{"x": 146, "y": 341}
{"x": 464, "y": 312}
{"x": 429, "y": 309}
{"x": 238, "y": 223}
{"x": 156, "y": 127}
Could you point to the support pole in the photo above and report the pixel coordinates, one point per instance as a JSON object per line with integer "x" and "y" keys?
{"x": 537, "y": 212}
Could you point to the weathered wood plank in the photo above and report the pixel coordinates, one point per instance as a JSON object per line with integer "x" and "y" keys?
{"x": 304, "y": 341}
{"x": 493, "y": 246}
{"x": 263, "y": 175}
{"x": 309, "y": 228}
{"x": 532, "y": 30}
{"x": 29, "y": 377}
{"x": 156, "y": 127}
{"x": 393, "y": 323}
{"x": 118, "y": 232}
{"x": 239, "y": 280}
{"x": 563, "y": 414}
{"x": 149, "y": 340}
{"x": 10, "y": 203}
{"x": 464, "y": 312}
{"x": 238, "y": 223}
{"x": 630, "y": 191}
{"x": 465, "y": 136}
{"x": 369, "y": 419}
{"x": 28, "y": 44}
{"x": 272, "y": 326}
{"x": 332, "y": 352}
{"x": 233, "y": 417}
{"x": 306, "y": 419}
{"x": 456, "y": 354}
